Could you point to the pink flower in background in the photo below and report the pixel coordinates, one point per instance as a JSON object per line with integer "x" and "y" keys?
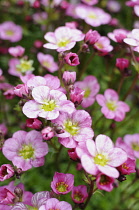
{"x": 79, "y": 193}
{"x": 132, "y": 3}
{"x": 91, "y": 87}
{"x": 113, "y": 6}
{"x": 10, "y": 31}
{"x": 72, "y": 59}
{"x": 104, "y": 182}
{"x": 103, "y": 46}
{"x": 47, "y": 103}
{"x": 62, "y": 183}
{"x": 118, "y": 35}
{"x": 17, "y": 51}
{"x": 19, "y": 67}
{"x": 25, "y": 150}
{"x": 55, "y": 204}
{"x": 133, "y": 39}
{"x": 90, "y": 2}
{"x": 33, "y": 123}
{"x": 3, "y": 129}
{"x": 112, "y": 108}
{"x": 6, "y": 171}
{"x": 132, "y": 140}
{"x": 63, "y": 38}
{"x": 136, "y": 9}
{"x": 76, "y": 126}
{"x": 127, "y": 167}
{"x": 93, "y": 16}
{"x": 103, "y": 157}
{"x": 47, "y": 61}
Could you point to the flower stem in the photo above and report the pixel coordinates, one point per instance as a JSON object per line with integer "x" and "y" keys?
{"x": 90, "y": 194}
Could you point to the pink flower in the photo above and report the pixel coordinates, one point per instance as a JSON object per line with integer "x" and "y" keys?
{"x": 6, "y": 196}
{"x": 62, "y": 183}
{"x": 104, "y": 182}
{"x": 55, "y": 204}
{"x": 63, "y": 38}
{"x": 79, "y": 193}
{"x": 133, "y": 142}
{"x": 25, "y": 150}
{"x": 91, "y": 87}
{"x": 34, "y": 123}
{"x": 6, "y": 172}
{"x": 113, "y": 6}
{"x": 69, "y": 77}
{"x": 103, "y": 46}
{"x": 47, "y": 61}
{"x": 10, "y": 31}
{"x": 127, "y": 167}
{"x": 76, "y": 127}
{"x": 17, "y": 51}
{"x": 47, "y": 103}
{"x": 112, "y": 108}
{"x": 72, "y": 59}
{"x": 118, "y": 35}
{"x": 103, "y": 157}
{"x": 21, "y": 90}
{"x": 122, "y": 63}
{"x": 93, "y": 16}
{"x": 133, "y": 39}
{"x": 72, "y": 154}
{"x": 91, "y": 37}
{"x": 3, "y": 129}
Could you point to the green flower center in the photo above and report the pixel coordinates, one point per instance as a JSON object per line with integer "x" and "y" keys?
{"x": 71, "y": 127}
{"x": 100, "y": 160}
{"x": 9, "y": 32}
{"x": 63, "y": 42}
{"x": 61, "y": 186}
{"x": 78, "y": 196}
{"x": 24, "y": 66}
{"x": 32, "y": 208}
{"x": 87, "y": 93}
{"x": 27, "y": 151}
{"x": 92, "y": 15}
{"x": 135, "y": 146}
{"x": 111, "y": 105}
{"x": 46, "y": 64}
{"x": 49, "y": 106}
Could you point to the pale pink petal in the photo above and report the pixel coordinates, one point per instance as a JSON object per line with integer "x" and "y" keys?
{"x": 101, "y": 100}
{"x": 67, "y": 142}
{"x": 114, "y": 159}
{"x": 109, "y": 171}
{"x": 66, "y": 106}
{"x": 111, "y": 95}
{"x": 31, "y": 109}
{"x": 103, "y": 144}
{"x": 40, "y": 93}
{"x": 88, "y": 165}
{"x": 50, "y": 37}
{"x": 50, "y": 46}
{"x": 108, "y": 113}
{"x": 131, "y": 41}
{"x": 90, "y": 144}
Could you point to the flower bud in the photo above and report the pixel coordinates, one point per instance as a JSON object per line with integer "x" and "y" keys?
{"x": 69, "y": 78}
{"x": 34, "y": 123}
{"x": 72, "y": 59}
{"x": 76, "y": 96}
{"x": 91, "y": 37}
{"x": 47, "y": 133}
{"x": 72, "y": 154}
{"x": 122, "y": 63}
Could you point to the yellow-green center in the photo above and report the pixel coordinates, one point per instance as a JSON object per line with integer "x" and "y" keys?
{"x": 61, "y": 186}
{"x": 9, "y": 32}
{"x": 63, "y": 42}
{"x": 25, "y": 66}
{"x": 92, "y": 15}
{"x": 27, "y": 151}
{"x": 111, "y": 105}
{"x": 135, "y": 146}
{"x": 87, "y": 93}
{"x": 46, "y": 64}
{"x": 78, "y": 196}
{"x": 49, "y": 106}
{"x": 100, "y": 159}
{"x": 71, "y": 127}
